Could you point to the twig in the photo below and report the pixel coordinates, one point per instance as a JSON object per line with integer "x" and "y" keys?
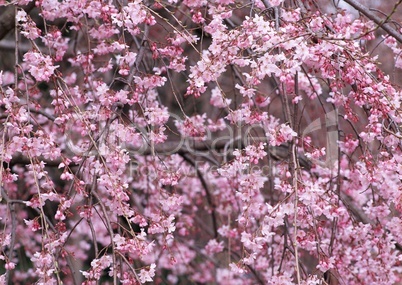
{"x": 10, "y": 204}
{"x": 129, "y": 265}
{"x": 109, "y": 229}
{"x": 295, "y": 189}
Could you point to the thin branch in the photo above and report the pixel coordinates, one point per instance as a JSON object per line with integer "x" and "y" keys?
{"x": 110, "y": 230}
{"x": 11, "y": 207}
{"x": 295, "y": 221}
{"x": 129, "y": 265}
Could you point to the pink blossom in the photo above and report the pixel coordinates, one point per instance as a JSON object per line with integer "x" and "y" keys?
{"x": 218, "y": 99}
{"x": 193, "y": 127}
{"x": 10, "y": 265}
{"x": 55, "y": 41}
{"x": 40, "y": 67}
{"x": 275, "y": 2}
{"x": 213, "y": 247}
{"x": 284, "y": 134}
{"x": 97, "y": 266}
{"x": 147, "y": 275}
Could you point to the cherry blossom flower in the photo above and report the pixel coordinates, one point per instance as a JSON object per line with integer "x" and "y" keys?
{"x": 147, "y": 275}
{"x": 40, "y": 67}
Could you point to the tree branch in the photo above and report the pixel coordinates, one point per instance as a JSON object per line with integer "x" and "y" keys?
{"x": 380, "y": 22}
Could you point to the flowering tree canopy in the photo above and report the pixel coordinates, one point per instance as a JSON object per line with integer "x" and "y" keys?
{"x": 200, "y": 142}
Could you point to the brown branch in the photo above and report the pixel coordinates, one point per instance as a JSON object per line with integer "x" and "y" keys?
{"x": 380, "y": 22}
